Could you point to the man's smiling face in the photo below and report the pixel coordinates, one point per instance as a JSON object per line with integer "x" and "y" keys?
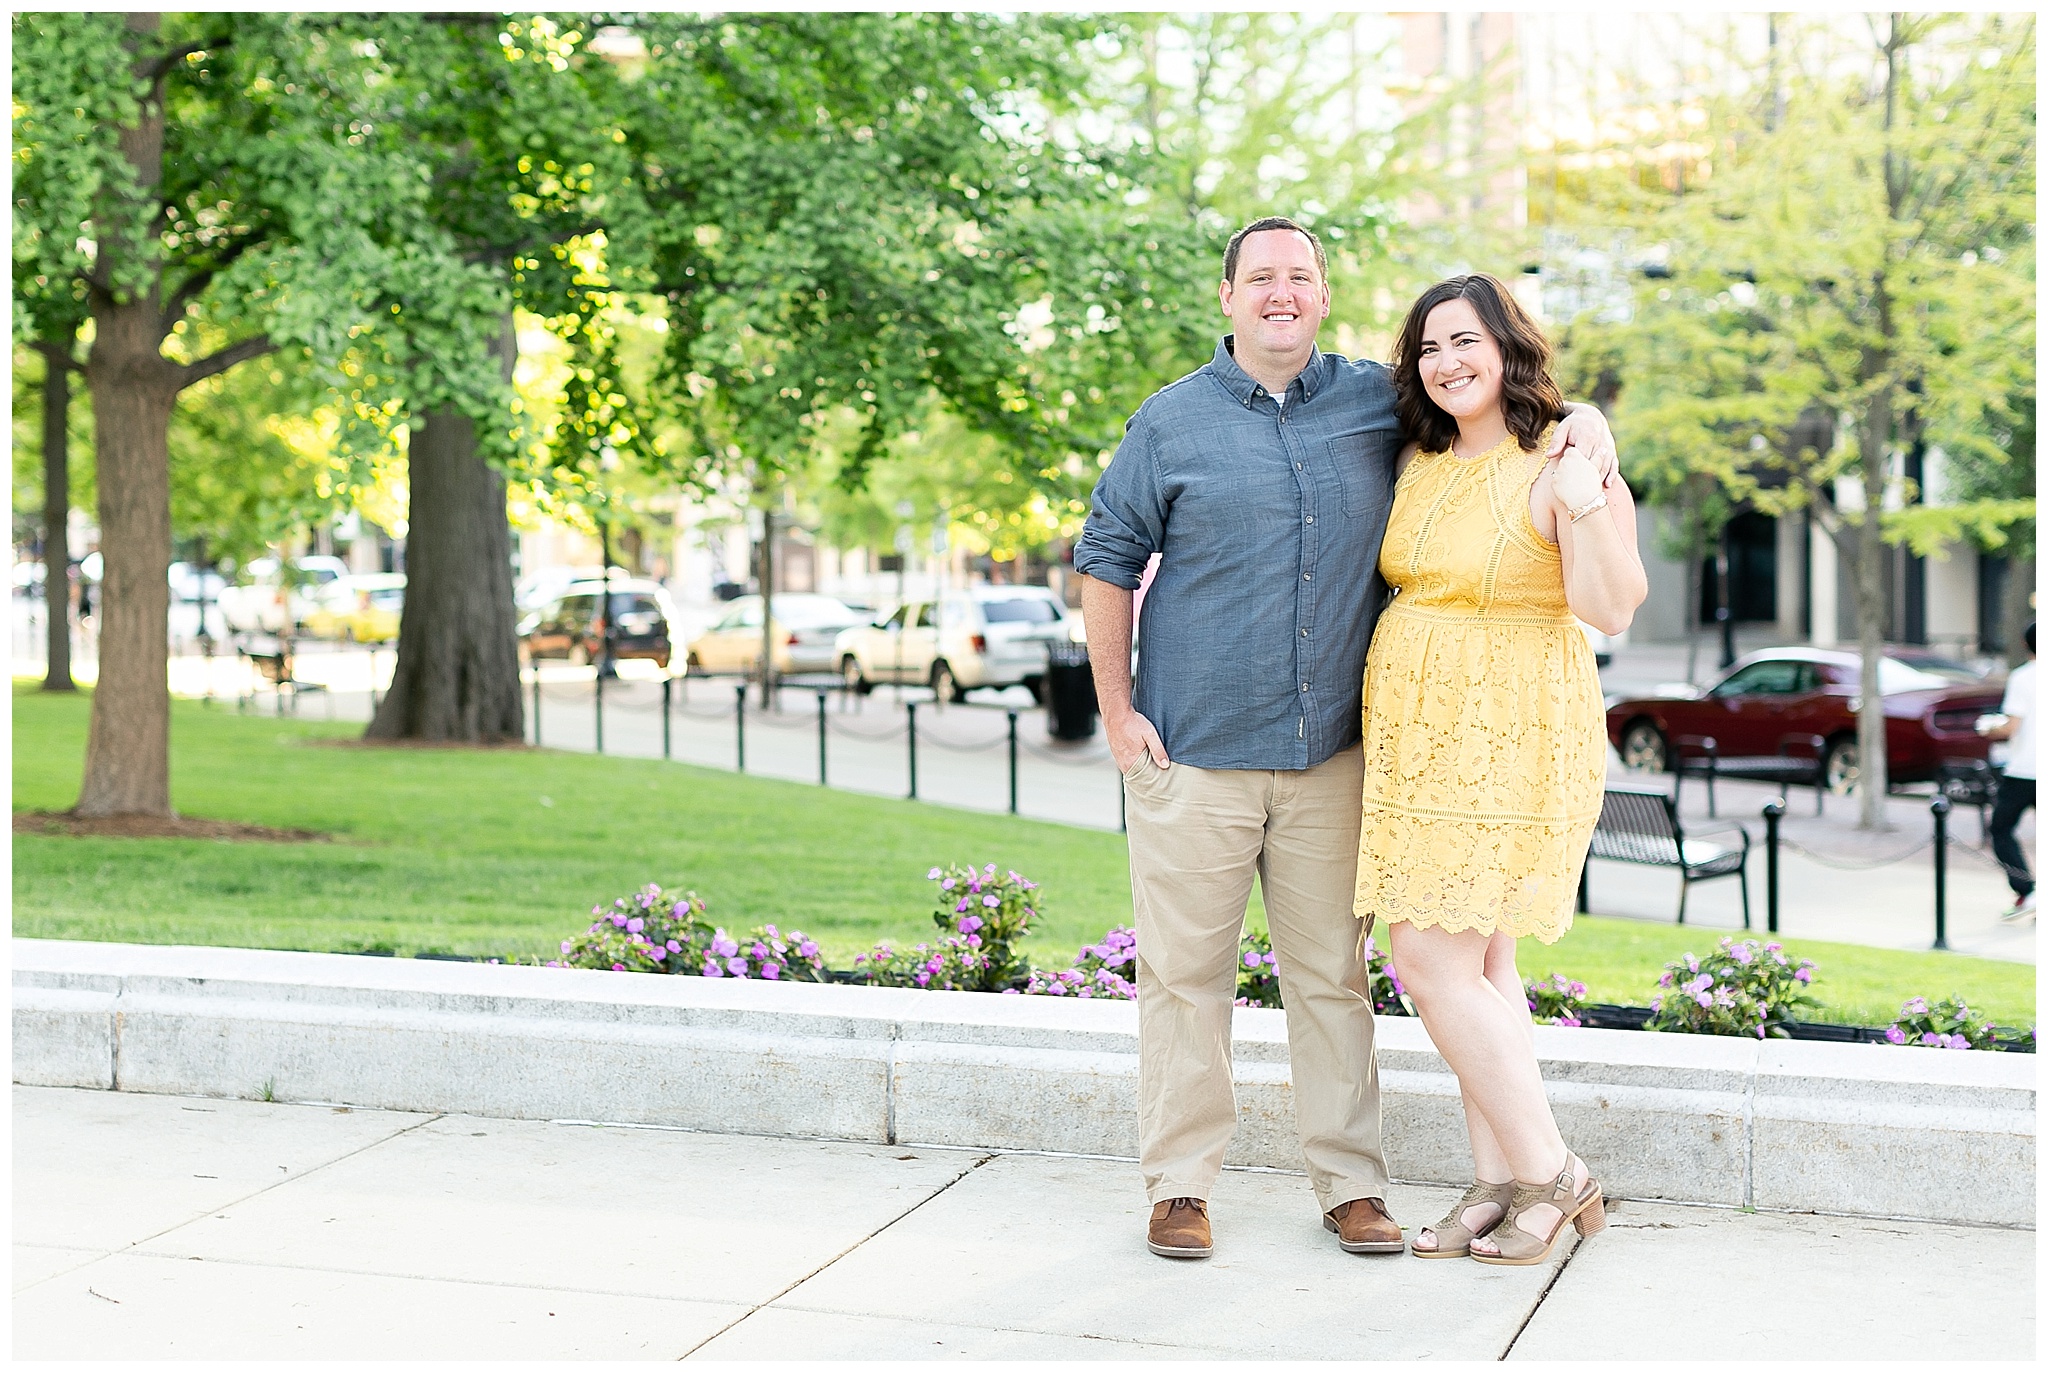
{"x": 1279, "y": 298}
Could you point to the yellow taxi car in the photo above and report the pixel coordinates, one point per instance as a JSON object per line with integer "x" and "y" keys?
{"x": 362, "y": 608}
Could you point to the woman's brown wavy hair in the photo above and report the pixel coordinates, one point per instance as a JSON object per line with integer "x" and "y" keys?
{"x": 1528, "y": 395}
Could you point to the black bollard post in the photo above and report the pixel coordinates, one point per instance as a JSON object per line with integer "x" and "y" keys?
{"x": 911, "y": 708}
{"x": 598, "y": 706}
{"x": 668, "y": 686}
{"x": 821, "y": 736}
{"x": 739, "y": 726}
{"x": 1774, "y": 811}
{"x": 1013, "y": 762}
{"x": 1940, "y": 809}
{"x": 536, "y": 705}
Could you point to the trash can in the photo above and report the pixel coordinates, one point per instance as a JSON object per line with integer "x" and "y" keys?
{"x": 1069, "y": 691}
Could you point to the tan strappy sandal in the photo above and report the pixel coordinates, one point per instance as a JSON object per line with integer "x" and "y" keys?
{"x": 1585, "y": 1210}
{"x": 1453, "y": 1238}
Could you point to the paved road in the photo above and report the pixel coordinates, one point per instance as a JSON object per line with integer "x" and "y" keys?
{"x": 167, "y": 1227}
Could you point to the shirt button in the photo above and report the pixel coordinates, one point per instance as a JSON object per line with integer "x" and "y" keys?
{"x": 1304, "y": 686}
{"x": 1304, "y": 634}
{"x": 1308, "y": 576}
{"x": 1310, "y": 520}
{"x": 1297, "y": 467}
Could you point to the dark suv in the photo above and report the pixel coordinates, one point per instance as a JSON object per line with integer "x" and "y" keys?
{"x": 569, "y": 627}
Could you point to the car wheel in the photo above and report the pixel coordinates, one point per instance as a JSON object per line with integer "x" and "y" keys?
{"x": 1643, "y": 748}
{"x": 855, "y": 681}
{"x": 945, "y": 686}
{"x": 1840, "y": 764}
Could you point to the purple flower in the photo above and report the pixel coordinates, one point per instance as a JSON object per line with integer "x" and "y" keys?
{"x": 618, "y": 967}
{"x": 674, "y": 947}
{"x": 808, "y": 949}
{"x": 1917, "y": 1006}
{"x": 990, "y": 902}
{"x": 565, "y": 946}
{"x": 1895, "y": 1035}
{"x": 1803, "y": 975}
{"x": 657, "y": 954}
{"x": 635, "y": 925}
{"x": 759, "y": 950}
{"x": 771, "y": 971}
{"x": 1930, "y": 1037}
{"x": 1741, "y": 954}
{"x": 933, "y": 875}
{"x": 1704, "y": 999}
{"x": 711, "y": 968}
{"x": 737, "y": 966}
{"x": 1251, "y": 960}
{"x": 618, "y": 918}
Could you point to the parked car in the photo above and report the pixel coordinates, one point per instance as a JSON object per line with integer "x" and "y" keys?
{"x": 570, "y": 625}
{"x": 545, "y": 585}
{"x": 262, "y": 604}
{"x": 805, "y": 631}
{"x": 1779, "y": 699}
{"x": 991, "y": 636}
{"x": 363, "y": 608}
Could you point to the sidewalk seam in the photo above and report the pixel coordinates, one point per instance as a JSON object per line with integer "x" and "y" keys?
{"x": 778, "y": 1296}
{"x": 1541, "y": 1297}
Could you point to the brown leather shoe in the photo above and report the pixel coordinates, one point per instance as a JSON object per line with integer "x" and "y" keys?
{"x": 1180, "y": 1229}
{"x": 1364, "y": 1227}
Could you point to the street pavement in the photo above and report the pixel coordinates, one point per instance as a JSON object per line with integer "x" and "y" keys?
{"x": 169, "y": 1227}
{"x": 1836, "y": 882}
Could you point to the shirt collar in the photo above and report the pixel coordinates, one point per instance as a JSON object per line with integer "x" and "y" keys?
{"x": 1245, "y": 390}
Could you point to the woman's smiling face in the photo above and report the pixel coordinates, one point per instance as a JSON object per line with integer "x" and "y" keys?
{"x": 1459, "y": 361}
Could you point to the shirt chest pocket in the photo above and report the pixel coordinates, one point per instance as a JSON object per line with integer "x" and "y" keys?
{"x": 1364, "y": 478}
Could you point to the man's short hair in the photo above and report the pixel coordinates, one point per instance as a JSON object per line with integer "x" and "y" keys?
{"x": 1259, "y": 226}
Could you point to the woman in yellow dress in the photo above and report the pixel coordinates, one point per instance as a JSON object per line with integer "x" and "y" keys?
{"x": 1485, "y": 757}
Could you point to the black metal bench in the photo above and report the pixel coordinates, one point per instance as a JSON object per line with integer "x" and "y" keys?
{"x": 1641, "y": 825}
{"x": 1971, "y": 782}
{"x": 272, "y": 659}
{"x": 1798, "y": 762}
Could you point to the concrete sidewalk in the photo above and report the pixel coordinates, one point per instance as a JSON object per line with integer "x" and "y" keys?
{"x": 153, "y": 1227}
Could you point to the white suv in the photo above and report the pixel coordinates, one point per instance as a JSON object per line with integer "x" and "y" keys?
{"x": 985, "y": 636}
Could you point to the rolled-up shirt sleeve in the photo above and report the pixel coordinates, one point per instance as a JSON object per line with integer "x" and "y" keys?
{"x": 1126, "y": 521}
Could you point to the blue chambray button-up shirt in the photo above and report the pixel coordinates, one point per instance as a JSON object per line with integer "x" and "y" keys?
{"x": 1268, "y": 519}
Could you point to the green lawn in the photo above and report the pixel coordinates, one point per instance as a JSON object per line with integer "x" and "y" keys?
{"x": 502, "y": 852}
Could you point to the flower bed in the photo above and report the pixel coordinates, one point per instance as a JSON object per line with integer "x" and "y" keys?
{"x": 1743, "y": 987}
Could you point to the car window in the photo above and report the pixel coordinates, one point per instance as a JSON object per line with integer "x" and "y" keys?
{"x": 926, "y": 617}
{"x": 1809, "y": 678}
{"x": 1778, "y": 677}
{"x": 895, "y": 620}
{"x": 1029, "y": 610}
{"x": 1894, "y": 676}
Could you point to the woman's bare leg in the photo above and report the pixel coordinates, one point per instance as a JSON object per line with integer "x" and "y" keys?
{"x": 1489, "y": 1162}
{"x": 1485, "y": 1036}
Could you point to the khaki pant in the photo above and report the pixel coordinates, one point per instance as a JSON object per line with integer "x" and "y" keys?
{"x": 1197, "y": 836}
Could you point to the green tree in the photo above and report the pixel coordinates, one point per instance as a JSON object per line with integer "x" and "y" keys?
{"x": 218, "y": 187}
{"x": 1851, "y": 279}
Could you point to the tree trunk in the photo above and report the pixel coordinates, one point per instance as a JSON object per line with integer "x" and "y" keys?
{"x": 128, "y": 746}
{"x": 1867, "y": 570}
{"x": 57, "y": 512}
{"x": 457, "y": 678}
{"x": 2014, "y": 612}
{"x": 128, "y": 751}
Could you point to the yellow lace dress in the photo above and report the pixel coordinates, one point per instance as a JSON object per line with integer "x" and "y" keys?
{"x": 1485, "y": 755}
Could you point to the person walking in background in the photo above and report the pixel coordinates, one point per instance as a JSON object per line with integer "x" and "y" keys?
{"x": 1484, "y": 755}
{"x": 2016, "y": 786}
{"x": 1262, "y": 481}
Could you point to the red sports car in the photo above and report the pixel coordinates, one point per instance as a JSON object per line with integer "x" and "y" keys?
{"x": 1777, "y": 703}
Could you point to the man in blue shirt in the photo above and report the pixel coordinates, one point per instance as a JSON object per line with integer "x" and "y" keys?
{"x": 1262, "y": 481}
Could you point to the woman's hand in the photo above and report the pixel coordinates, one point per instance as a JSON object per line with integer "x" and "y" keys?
{"x": 1577, "y": 481}
{"x": 1586, "y": 427}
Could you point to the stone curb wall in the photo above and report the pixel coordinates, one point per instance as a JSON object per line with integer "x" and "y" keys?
{"x": 1781, "y": 1125}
